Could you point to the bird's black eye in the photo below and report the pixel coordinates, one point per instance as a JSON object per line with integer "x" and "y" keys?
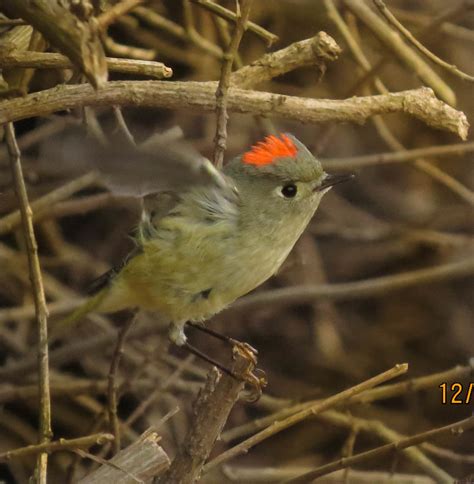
{"x": 289, "y": 190}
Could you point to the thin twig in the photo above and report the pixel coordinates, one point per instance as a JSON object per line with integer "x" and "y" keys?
{"x": 44, "y": 203}
{"x": 457, "y": 427}
{"x": 57, "y": 445}
{"x": 408, "y": 56}
{"x": 232, "y": 17}
{"x": 355, "y": 290}
{"x": 116, "y": 11}
{"x": 112, "y": 398}
{"x": 392, "y": 20}
{"x": 291, "y": 420}
{"x": 379, "y": 123}
{"x": 51, "y": 60}
{"x": 39, "y": 299}
{"x": 220, "y": 139}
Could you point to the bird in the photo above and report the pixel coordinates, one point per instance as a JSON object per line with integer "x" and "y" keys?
{"x": 206, "y": 236}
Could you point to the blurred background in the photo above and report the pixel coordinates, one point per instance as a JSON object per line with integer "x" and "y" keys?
{"x": 392, "y": 218}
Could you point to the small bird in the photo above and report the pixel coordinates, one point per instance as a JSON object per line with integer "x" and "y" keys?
{"x": 206, "y": 237}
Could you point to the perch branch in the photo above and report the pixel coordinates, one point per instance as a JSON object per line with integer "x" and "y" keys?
{"x": 211, "y": 410}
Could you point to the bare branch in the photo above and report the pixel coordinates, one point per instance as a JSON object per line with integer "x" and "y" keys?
{"x": 420, "y": 103}
{"x": 39, "y": 299}
{"x": 220, "y": 139}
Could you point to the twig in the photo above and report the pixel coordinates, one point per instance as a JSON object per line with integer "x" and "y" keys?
{"x": 211, "y": 410}
{"x": 56, "y": 445}
{"x": 420, "y": 103}
{"x": 113, "y": 385}
{"x": 39, "y": 299}
{"x": 315, "y": 51}
{"x": 220, "y": 139}
{"x": 380, "y": 393}
{"x": 231, "y": 16}
{"x": 51, "y": 60}
{"x": 394, "y": 42}
{"x": 44, "y": 203}
{"x": 7, "y": 22}
{"x": 457, "y": 427}
{"x": 122, "y": 125}
{"x": 115, "y": 12}
{"x": 277, "y": 474}
{"x": 142, "y": 460}
{"x": 121, "y": 50}
{"x": 355, "y": 290}
{"x": 380, "y": 124}
{"x": 457, "y": 149}
{"x": 392, "y": 20}
{"x": 291, "y": 420}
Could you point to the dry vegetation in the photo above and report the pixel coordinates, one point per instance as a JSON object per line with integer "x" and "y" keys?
{"x": 382, "y": 277}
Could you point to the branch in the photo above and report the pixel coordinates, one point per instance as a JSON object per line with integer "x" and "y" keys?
{"x": 140, "y": 461}
{"x": 420, "y": 103}
{"x": 76, "y": 34}
{"x": 222, "y": 90}
{"x": 291, "y": 420}
{"x": 394, "y": 42}
{"x": 230, "y": 16}
{"x": 457, "y": 427}
{"x": 458, "y": 149}
{"x": 39, "y": 299}
{"x": 392, "y": 20}
{"x": 112, "y": 398}
{"x": 50, "y": 60}
{"x": 211, "y": 409}
{"x": 43, "y": 204}
{"x": 355, "y": 290}
{"x": 57, "y": 445}
{"x": 315, "y": 51}
{"x": 116, "y": 11}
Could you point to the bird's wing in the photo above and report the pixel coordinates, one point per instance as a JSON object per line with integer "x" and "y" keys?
{"x": 159, "y": 164}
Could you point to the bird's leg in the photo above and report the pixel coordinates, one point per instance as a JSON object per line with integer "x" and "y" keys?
{"x": 226, "y": 339}
{"x": 256, "y": 381}
{"x": 192, "y": 349}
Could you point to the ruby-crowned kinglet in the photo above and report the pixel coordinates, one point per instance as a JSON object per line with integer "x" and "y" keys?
{"x": 209, "y": 236}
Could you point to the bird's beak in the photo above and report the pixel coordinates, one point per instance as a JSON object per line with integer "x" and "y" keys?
{"x": 332, "y": 180}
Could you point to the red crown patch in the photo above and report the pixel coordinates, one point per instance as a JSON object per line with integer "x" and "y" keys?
{"x": 264, "y": 152}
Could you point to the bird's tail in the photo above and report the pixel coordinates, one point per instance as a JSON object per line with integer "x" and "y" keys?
{"x": 83, "y": 310}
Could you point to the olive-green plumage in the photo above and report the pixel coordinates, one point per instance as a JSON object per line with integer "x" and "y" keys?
{"x": 216, "y": 242}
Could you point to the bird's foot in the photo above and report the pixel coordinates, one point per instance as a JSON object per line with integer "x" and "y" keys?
{"x": 254, "y": 378}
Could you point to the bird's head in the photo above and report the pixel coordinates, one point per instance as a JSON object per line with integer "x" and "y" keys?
{"x": 279, "y": 174}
